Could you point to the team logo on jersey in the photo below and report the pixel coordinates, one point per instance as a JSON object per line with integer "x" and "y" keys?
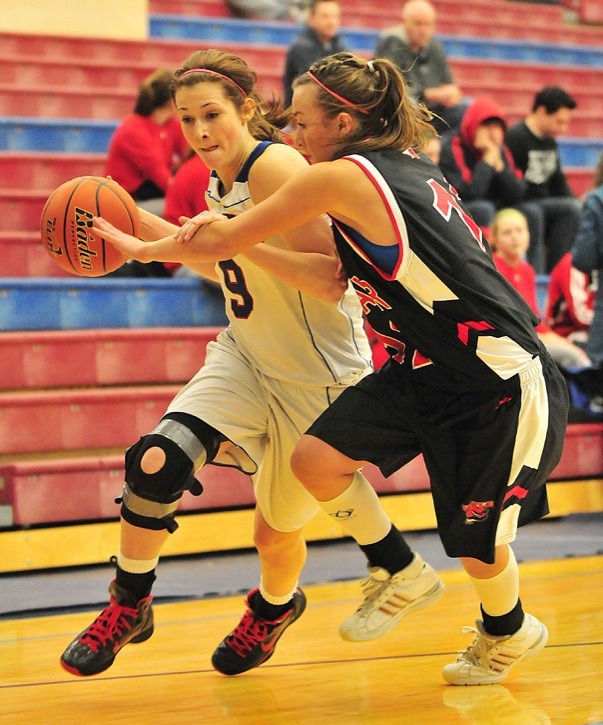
{"x": 446, "y": 201}
{"x": 368, "y": 296}
{"x": 476, "y": 511}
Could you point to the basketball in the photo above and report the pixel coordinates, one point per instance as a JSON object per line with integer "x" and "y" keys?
{"x": 66, "y": 224}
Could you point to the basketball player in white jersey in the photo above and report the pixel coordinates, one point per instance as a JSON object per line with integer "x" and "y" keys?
{"x": 294, "y": 343}
{"x": 468, "y": 383}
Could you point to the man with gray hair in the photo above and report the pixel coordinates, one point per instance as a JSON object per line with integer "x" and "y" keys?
{"x": 422, "y": 59}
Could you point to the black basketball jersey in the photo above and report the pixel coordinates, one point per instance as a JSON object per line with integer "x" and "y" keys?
{"x": 444, "y": 312}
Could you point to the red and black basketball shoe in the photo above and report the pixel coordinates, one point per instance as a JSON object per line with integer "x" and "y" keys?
{"x": 253, "y": 641}
{"x": 125, "y": 620}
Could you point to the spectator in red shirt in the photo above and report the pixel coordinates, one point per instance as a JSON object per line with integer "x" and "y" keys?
{"x": 148, "y": 146}
{"x": 571, "y": 299}
{"x": 186, "y": 194}
{"x": 510, "y": 240}
{"x": 186, "y": 197}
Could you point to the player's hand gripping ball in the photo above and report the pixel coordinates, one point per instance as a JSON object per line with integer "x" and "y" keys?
{"x": 66, "y": 224}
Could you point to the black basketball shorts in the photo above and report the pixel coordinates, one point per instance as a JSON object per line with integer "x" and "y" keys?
{"x": 488, "y": 452}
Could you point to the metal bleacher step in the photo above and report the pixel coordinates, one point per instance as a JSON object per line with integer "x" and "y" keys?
{"x": 79, "y": 303}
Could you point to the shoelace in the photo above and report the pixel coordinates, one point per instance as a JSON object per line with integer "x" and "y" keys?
{"x": 484, "y": 652}
{"x": 111, "y": 621}
{"x": 372, "y": 590}
{"x": 248, "y": 634}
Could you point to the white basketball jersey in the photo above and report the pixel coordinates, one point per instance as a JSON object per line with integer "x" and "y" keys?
{"x": 287, "y": 334}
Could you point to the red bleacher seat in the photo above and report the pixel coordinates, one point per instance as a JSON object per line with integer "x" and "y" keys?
{"x": 63, "y": 101}
{"x": 23, "y": 255}
{"x": 76, "y": 489}
{"x": 84, "y": 489}
{"x": 591, "y": 11}
{"x": 483, "y": 19}
{"x": 69, "y": 420}
{"x": 73, "y": 358}
{"x": 29, "y": 170}
{"x": 198, "y": 8}
{"x": 582, "y": 452}
{"x": 18, "y": 70}
{"x": 137, "y": 54}
{"x": 588, "y": 11}
{"x": 580, "y": 180}
{"x": 21, "y": 209}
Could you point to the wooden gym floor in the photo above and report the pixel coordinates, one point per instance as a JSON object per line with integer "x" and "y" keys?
{"x": 314, "y": 676}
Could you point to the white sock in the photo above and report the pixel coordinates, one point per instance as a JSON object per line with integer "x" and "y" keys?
{"x": 136, "y": 566}
{"x": 272, "y": 599}
{"x": 499, "y": 594}
{"x": 359, "y": 512}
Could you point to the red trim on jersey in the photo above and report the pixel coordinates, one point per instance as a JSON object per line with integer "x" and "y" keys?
{"x": 463, "y": 329}
{"x": 388, "y": 206}
{"x": 517, "y": 491}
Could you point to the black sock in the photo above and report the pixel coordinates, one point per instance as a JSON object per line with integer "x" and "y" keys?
{"x": 391, "y": 553}
{"x": 139, "y": 585}
{"x": 268, "y": 611}
{"x": 508, "y": 623}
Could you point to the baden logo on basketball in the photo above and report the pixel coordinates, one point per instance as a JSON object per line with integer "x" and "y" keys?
{"x": 66, "y": 225}
{"x": 83, "y": 222}
{"x": 50, "y": 227}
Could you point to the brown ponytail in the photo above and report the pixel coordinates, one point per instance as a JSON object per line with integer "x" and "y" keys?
{"x": 376, "y": 93}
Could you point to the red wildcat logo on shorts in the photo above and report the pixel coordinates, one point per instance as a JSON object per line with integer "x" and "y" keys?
{"x": 477, "y": 511}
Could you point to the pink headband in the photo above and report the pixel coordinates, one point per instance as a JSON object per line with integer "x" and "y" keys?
{"x": 336, "y": 95}
{"x": 214, "y": 73}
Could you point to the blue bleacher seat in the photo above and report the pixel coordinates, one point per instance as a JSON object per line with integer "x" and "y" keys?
{"x": 68, "y": 135}
{"x": 87, "y": 303}
{"x": 77, "y": 136}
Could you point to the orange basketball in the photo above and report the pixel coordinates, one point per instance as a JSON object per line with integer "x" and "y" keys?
{"x": 66, "y": 224}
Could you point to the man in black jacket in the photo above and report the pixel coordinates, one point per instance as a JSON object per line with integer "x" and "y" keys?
{"x": 552, "y": 210}
{"x": 317, "y": 40}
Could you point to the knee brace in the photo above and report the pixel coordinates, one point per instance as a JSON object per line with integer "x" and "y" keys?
{"x": 149, "y": 500}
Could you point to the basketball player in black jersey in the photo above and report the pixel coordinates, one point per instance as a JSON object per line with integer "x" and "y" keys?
{"x": 468, "y": 384}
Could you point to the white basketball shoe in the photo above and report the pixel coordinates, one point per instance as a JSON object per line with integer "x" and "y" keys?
{"x": 488, "y": 659}
{"x": 390, "y": 597}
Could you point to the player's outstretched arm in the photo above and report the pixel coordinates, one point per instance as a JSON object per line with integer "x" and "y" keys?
{"x": 315, "y": 274}
{"x": 153, "y": 227}
{"x": 307, "y": 195}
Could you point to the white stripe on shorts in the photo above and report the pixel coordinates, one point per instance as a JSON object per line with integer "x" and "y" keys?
{"x": 532, "y": 428}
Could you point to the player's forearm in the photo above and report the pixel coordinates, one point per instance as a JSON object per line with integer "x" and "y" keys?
{"x": 311, "y": 273}
{"x": 153, "y": 227}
